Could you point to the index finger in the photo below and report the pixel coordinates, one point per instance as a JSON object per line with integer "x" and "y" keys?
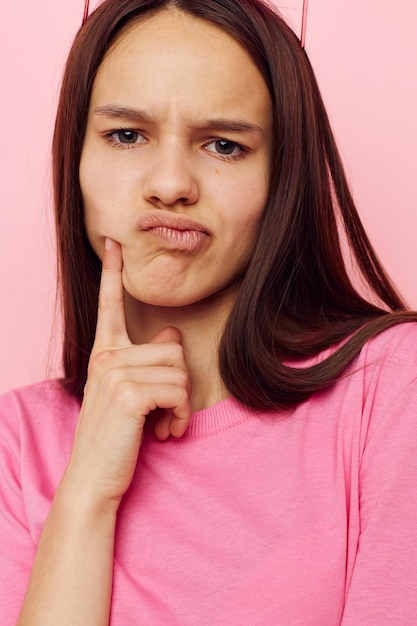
{"x": 111, "y": 322}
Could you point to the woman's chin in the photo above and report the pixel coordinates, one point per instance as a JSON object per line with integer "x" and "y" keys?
{"x": 165, "y": 297}
{"x": 174, "y": 290}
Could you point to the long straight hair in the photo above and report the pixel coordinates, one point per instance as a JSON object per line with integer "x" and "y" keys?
{"x": 295, "y": 297}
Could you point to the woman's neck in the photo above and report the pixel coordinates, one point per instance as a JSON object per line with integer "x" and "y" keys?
{"x": 201, "y": 326}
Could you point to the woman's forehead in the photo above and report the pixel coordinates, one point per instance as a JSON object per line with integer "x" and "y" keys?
{"x": 171, "y": 33}
{"x": 173, "y": 59}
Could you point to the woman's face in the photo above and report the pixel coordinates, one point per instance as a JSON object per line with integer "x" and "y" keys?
{"x": 176, "y": 158}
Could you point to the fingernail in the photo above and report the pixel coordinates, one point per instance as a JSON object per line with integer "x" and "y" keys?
{"x": 108, "y": 243}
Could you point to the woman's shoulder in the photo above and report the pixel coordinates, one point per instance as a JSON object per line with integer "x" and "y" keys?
{"x": 43, "y": 404}
{"x": 394, "y": 349}
{"x": 48, "y": 393}
{"x": 393, "y": 346}
{"x": 384, "y": 375}
{"x": 383, "y": 372}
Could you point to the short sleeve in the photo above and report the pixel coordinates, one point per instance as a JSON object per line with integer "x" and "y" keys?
{"x": 17, "y": 549}
{"x": 383, "y": 588}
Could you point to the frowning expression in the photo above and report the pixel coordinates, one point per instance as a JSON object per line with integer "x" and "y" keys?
{"x": 175, "y": 161}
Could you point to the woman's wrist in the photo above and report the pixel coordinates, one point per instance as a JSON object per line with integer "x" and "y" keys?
{"x": 81, "y": 497}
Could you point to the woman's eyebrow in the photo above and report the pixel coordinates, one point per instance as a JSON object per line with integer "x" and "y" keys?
{"x": 116, "y": 111}
{"x": 139, "y": 115}
{"x": 233, "y": 126}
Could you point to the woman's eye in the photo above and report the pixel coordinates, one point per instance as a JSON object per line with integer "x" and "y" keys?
{"x": 225, "y": 147}
{"x": 127, "y": 137}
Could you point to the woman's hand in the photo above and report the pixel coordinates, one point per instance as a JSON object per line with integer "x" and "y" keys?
{"x": 71, "y": 581}
{"x": 125, "y": 383}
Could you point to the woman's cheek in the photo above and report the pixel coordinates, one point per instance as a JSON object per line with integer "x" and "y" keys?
{"x": 99, "y": 224}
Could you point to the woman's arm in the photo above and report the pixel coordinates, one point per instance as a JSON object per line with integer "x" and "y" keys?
{"x": 71, "y": 579}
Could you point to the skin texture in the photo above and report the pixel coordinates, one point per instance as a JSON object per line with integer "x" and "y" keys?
{"x": 164, "y": 295}
{"x": 173, "y": 67}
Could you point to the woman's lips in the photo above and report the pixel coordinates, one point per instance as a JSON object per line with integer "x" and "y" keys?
{"x": 178, "y": 232}
{"x": 182, "y": 240}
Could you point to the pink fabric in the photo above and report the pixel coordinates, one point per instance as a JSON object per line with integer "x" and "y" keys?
{"x": 306, "y": 518}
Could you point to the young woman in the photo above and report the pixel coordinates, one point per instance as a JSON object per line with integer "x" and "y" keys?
{"x": 234, "y": 440}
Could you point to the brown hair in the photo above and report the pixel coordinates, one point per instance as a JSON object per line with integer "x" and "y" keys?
{"x": 296, "y": 297}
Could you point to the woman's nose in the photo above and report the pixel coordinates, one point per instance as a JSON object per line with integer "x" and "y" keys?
{"x": 171, "y": 177}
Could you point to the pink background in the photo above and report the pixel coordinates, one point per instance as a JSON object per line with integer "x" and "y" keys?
{"x": 365, "y": 58}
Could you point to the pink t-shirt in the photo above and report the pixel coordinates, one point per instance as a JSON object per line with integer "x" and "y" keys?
{"x": 303, "y": 518}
